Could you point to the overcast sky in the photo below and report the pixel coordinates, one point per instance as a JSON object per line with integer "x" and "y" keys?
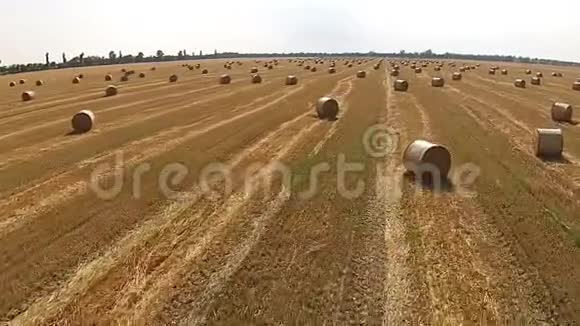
{"x": 29, "y": 28}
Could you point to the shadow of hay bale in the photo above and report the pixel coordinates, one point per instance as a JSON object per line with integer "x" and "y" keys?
{"x": 555, "y": 159}
{"x": 427, "y": 182}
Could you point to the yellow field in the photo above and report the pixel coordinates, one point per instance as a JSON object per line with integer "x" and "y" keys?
{"x": 171, "y": 211}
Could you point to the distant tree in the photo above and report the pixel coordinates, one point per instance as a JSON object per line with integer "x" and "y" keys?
{"x": 160, "y": 54}
{"x": 112, "y": 55}
{"x": 180, "y": 54}
{"x": 120, "y": 55}
{"x": 46, "y": 56}
{"x": 200, "y": 53}
{"x": 139, "y": 57}
{"x": 215, "y": 52}
{"x": 82, "y": 58}
{"x": 185, "y": 53}
{"x": 64, "y": 58}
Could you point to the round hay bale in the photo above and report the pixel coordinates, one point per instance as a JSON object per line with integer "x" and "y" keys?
{"x": 270, "y": 67}
{"x": 111, "y": 90}
{"x": 153, "y": 68}
{"x": 256, "y": 79}
{"x": 254, "y": 70}
{"x": 173, "y": 78}
{"x": 331, "y": 70}
{"x": 142, "y": 75}
{"x": 401, "y": 85}
{"x": 520, "y": 83}
{"x": 549, "y": 142}
{"x": 291, "y": 80}
{"x": 125, "y": 78}
{"x": 83, "y": 121}
{"x": 437, "y": 82}
{"x": 76, "y": 80}
{"x": 197, "y": 66}
{"x": 427, "y": 160}
{"x": 492, "y": 71}
{"x": 536, "y": 81}
{"x": 81, "y": 76}
{"x": 28, "y": 96}
{"x": 394, "y": 73}
{"x": 576, "y": 86}
{"x": 190, "y": 68}
{"x": 462, "y": 69}
{"x": 562, "y": 112}
{"x": 12, "y": 84}
{"x": 504, "y": 72}
{"x": 437, "y": 68}
{"x": 225, "y": 79}
{"x": 313, "y": 69}
{"x": 539, "y": 74}
{"x": 327, "y": 108}
{"x": 377, "y": 66}
{"x": 39, "y": 83}
{"x": 123, "y": 70}
{"x": 528, "y": 72}
{"x": 22, "y": 81}
{"x": 108, "y": 77}
{"x": 361, "y": 74}
{"x": 349, "y": 65}
{"x": 307, "y": 67}
{"x": 204, "y": 72}
{"x": 457, "y": 76}
{"x": 418, "y": 70}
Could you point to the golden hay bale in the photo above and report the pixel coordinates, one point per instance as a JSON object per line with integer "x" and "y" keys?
{"x": 427, "y": 160}
{"x": 576, "y": 86}
{"x": 418, "y": 70}
{"x": 81, "y": 76}
{"x": 437, "y": 68}
{"x": 225, "y": 79}
{"x": 331, "y": 70}
{"x": 492, "y": 71}
{"x": 377, "y": 66}
{"x": 313, "y": 69}
{"x": 142, "y": 75}
{"x": 76, "y": 80}
{"x": 327, "y": 108}
{"x": 28, "y": 95}
{"x": 437, "y": 82}
{"x": 349, "y": 65}
{"x": 401, "y": 85}
{"x": 83, "y": 121}
{"x": 462, "y": 69}
{"x": 108, "y": 77}
{"x": 204, "y": 72}
{"x": 562, "y": 112}
{"x": 536, "y": 81}
{"x": 197, "y": 66}
{"x": 22, "y": 81}
{"x": 124, "y": 78}
{"x": 256, "y": 79}
{"x": 457, "y": 76}
{"x": 504, "y": 72}
{"x": 361, "y": 74}
{"x": 190, "y": 68}
{"x": 413, "y": 66}
{"x": 270, "y": 67}
{"x": 520, "y": 83}
{"x": 394, "y": 73}
{"x": 111, "y": 90}
{"x": 254, "y": 70}
{"x": 291, "y": 80}
{"x": 173, "y": 78}
{"x": 12, "y": 84}
{"x": 539, "y": 74}
{"x": 528, "y": 72}
{"x": 39, "y": 83}
{"x": 307, "y": 67}
{"x": 549, "y": 142}
{"x": 153, "y": 68}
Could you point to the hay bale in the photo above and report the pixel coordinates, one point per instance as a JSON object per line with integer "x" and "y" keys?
{"x": 153, "y": 68}
{"x": 539, "y": 74}
{"x": 313, "y": 69}
{"x": 142, "y": 75}
{"x": 457, "y": 76}
{"x": 504, "y": 72}
{"x": 536, "y": 81}
{"x": 377, "y": 66}
{"x": 462, "y": 69}
{"x": 562, "y": 112}
{"x": 197, "y": 66}
{"x": 225, "y": 79}
{"x": 39, "y": 83}
{"x": 12, "y": 84}
{"x": 427, "y": 160}
{"x": 124, "y": 78}
{"x": 204, "y": 72}
{"x": 28, "y": 96}
{"x": 528, "y": 72}
{"x": 81, "y": 76}
{"x": 254, "y": 70}
{"x": 331, "y": 70}
{"x": 549, "y": 142}
{"x": 576, "y": 86}
{"x": 401, "y": 85}
{"x": 83, "y": 121}
{"x": 291, "y": 80}
{"x": 418, "y": 70}
{"x": 520, "y": 83}
{"x": 492, "y": 71}
{"x": 76, "y": 80}
{"x": 173, "y": 78}
{"x": 270, "y": 67}
{"x": 307, "y": 67}
{"x": 361, "y": 74}
{"x": 108, "y": 77}
{"x": 437, "y": 68}
{"x": 123, "y": 70}
{"x": 22, "y": 81}
{"x": 111, "y": 90}
{"x": 256, "y": 79}
{"x": 327, "y": 108}
{"x": 437, "y": 82}
{"x": 349, "y": 65}
{"x": 394, "y": 73}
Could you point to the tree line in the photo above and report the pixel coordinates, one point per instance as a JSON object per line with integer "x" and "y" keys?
{"x": 119, "y": 58}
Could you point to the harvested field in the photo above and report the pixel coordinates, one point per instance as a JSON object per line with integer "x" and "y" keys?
{"x": 196, "y": 203}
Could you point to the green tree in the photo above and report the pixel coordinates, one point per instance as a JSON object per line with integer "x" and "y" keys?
{"x": 160, "y": 54}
